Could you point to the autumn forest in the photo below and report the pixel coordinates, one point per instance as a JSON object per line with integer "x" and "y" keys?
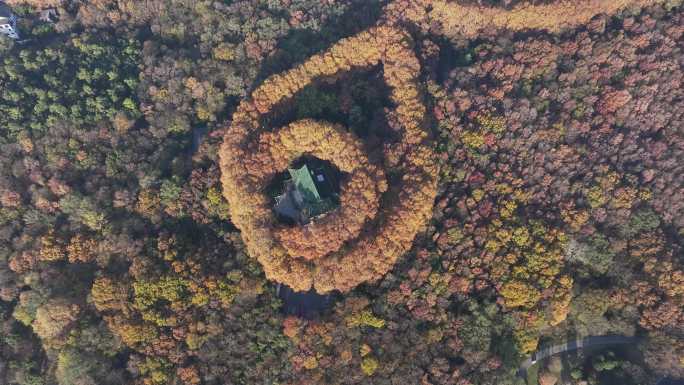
{"x": 304, "y": 192}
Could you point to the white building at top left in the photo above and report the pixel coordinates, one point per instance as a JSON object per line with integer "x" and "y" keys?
{"x": 8, "y": 22}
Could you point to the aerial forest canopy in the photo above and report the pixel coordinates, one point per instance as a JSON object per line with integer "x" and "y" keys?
{"x": 508, "y": 178}
{"x": 372, "y": 248}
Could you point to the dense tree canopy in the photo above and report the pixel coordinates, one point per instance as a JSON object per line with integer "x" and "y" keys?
{"x": 403, "y": 214}
{"x": 503, "y": 191}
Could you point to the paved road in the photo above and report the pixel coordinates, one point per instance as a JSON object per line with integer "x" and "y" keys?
{"x": 573, "y": 345}
{"x": 670, "y": 381}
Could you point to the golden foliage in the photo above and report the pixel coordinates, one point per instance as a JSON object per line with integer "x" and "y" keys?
{"x": 359, "y": 195}
{"x": 132, "y": 333}
{"x": 108, "y": 295}
{"x": 51, "y": 250}
{"x": 310, "y": 362}
{"x": 224, "y": 51}
{"x": 453, "y": 18}
{"x": 369, "y": 365}
{"x": 365, "y": 318}
{"x": 519, "y": 294}
{"x": 525, "y": 259}
{"x": 560, "y": 304}
{"x": 247, "y": 160}
{"x": 148, "y": 202}
{"x": 290, "y": 255}
{"x": 81, "y": 249}
{"x": 526, "y": 334}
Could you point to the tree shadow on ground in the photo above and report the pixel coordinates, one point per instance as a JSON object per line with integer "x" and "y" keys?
{"x": 300, "y": 44}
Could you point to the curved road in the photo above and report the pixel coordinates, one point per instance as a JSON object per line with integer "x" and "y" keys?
{"x": 573, "y": 345}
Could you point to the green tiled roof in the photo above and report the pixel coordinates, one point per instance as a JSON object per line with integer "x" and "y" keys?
{"x": 304, "y": 183}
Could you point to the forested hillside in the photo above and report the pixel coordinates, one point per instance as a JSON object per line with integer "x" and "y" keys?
{"x": 513, "y": 178}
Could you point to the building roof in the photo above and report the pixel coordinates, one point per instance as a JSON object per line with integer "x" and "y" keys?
{"x": 304, "y": 183}
{"x": 307, "y": 195}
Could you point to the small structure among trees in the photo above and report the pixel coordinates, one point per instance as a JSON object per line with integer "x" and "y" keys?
{"x": 308, "y": 193}
{"x": 8, "y": 22}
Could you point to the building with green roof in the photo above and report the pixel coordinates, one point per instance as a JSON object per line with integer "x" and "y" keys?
{"x": 305, "y": 188}
{"x": 308, "y": 193}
